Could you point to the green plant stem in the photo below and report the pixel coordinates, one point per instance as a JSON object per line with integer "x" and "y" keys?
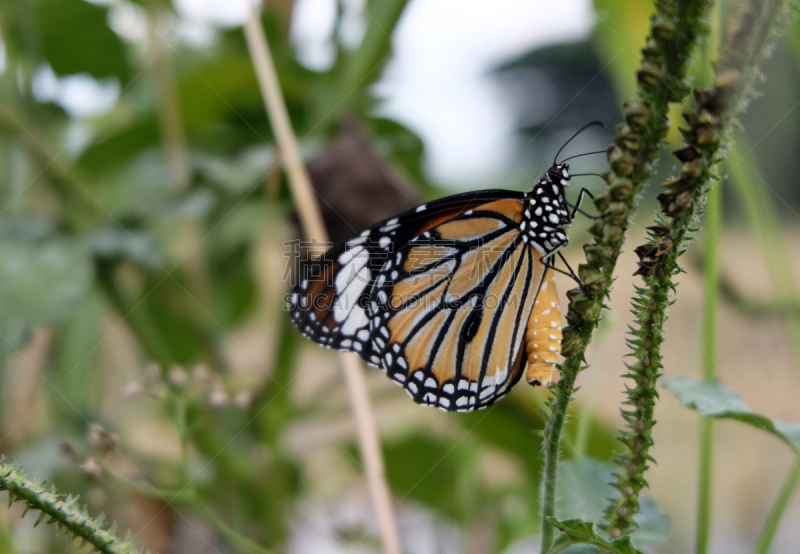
{"x": 778, "y": 509}
{"x": 674, "y": 31}
{"x": 178, "y": 408}
{"x": 191, "y": 499}
{"x": 63, "y": 510}
{"x": 710, "y": 301}
{"x": 230, "y": 534}
{"x": 160, "y": 493}
{"x": 704, "y": 492}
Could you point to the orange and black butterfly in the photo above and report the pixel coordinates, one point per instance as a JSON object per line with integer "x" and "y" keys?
{"x": 451, "y": 299}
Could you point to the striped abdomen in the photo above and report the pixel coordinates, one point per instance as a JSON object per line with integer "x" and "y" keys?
{"x": 543, "y": 335}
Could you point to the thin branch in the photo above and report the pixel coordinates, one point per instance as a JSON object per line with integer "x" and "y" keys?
{"x": 311, "y": 220}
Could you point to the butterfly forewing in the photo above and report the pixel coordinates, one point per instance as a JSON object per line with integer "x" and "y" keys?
{"x": 331, "y": 302}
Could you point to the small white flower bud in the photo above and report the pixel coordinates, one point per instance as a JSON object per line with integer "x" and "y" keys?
{"x": 177, "y": 376}
{"x": 90, "y": 468}
{"x": 152, "y": 375}
{"x": 131, "y": 389}
{"x": 243, "y": 399}
{"x": 200, "y": 374}
{"x": 217, "y": 398}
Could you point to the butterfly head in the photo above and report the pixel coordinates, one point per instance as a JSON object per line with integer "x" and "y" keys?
{"x": 558, "y": 174}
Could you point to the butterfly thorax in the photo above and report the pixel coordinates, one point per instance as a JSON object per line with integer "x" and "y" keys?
{"x": 546, "y": 215}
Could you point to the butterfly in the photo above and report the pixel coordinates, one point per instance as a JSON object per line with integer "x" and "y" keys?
{"x": 451, "y": 299}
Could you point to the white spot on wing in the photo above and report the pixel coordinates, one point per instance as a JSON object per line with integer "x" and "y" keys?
{"x": 347, "y": 301}
{"x": 349, "y": 254}
{"x": 355, "y": 321}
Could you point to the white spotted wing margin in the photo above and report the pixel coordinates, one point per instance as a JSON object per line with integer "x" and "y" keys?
{"x": 331, "y": 301}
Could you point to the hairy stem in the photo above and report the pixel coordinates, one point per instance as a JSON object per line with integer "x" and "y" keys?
{"x": 683, "y": 204}
{"x": 65, "y": 511}
{"x": 673, "y": 35}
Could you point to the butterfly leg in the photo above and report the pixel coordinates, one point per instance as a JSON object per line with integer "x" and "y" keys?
{"x": 576, "y": 208}
{"x": 548, "y": 262}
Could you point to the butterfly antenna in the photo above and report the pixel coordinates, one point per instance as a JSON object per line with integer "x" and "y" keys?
{"x": 585, "y": 174}
{"x": 578, "y": 132}
{"x": 585, "y": 154}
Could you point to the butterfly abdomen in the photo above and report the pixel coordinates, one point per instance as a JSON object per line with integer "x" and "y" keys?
{"x": 543, "y": 334}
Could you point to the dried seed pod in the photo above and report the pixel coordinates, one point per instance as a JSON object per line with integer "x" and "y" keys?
{"x": 686, "y": 154}
{"x": 636, "y": 115}
{"x": 658, "y": 230}
{"x": 649, "y": 76}
{"x": 663, "y": 29}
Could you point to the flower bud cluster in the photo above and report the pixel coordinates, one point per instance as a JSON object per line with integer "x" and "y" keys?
{"x": 682, "y": 204}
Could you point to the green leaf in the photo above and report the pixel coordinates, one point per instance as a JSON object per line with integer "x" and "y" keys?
{"x": 237, "y": 175}
{"x": 428, "y": 471}
{"x": 575, "y": 531}
{"x": 43, "y": 277}
{"x": 135, "y": 245}
{"x": 363, "y": 67}
{"x": 654, "y": 525}
{"x": 78, "y": 365}
{"x": 712, "y": 398}
{"x": 583, "y": 489}
{"x": 358, "y": 69}
{"x": 75, "y": 38}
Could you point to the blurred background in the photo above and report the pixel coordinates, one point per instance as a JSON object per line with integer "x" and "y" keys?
{"x": 144, "y": 223}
